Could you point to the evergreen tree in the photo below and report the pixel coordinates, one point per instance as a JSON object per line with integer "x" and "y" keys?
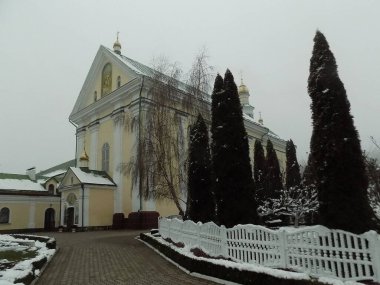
{"x": 259, "y": 171}
{"x": 234, "y": 185}
{"x": 273, "y": 178}
{"x": 201, "y": 205}
{"x": 308, "y": 177}
{"x": 293, "y": 176}
{"x": 335, "y": 147}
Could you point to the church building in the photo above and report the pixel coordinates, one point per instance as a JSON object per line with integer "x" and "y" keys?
{"x": 116, "y": 91}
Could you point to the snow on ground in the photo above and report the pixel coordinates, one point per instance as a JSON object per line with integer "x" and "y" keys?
{"x": 22, "y": 268}
{"x": 252, "y": 267}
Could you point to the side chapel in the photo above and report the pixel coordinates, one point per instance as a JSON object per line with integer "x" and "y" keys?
{"x": 114, "y": 91}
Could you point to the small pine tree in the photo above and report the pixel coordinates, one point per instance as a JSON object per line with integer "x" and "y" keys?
{"x": 273, "y": 184}
{"x": 259, "y": 170}
{"x": 201, "y": 205}
{"x": 293, "y": 176}
{"x": 234, "y": 185}
{"x": 335, "y": 147}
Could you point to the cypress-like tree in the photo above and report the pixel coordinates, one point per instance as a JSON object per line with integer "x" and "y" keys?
{"x": 293, "y": 176}
{"x": 308, "y": 177}
{"x": 273, "y": 179}
{"x": 201, "y": 205}
{"x": 234, "y": 185}
{"x": 259, "y": 171}
{"x": 335, "y": 147}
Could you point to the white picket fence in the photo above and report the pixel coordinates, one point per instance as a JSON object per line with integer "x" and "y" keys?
{"x": 315, "y": 250}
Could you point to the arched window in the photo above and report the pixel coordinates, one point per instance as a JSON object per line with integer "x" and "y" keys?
{"x": 51, "y": 188}
{"x": 95, "y": 96}
{"x": 118, "y": 82}
{"x": 107, "y": 79}
{"x": 4, "y": 215}
{"x": 105, "y": 157}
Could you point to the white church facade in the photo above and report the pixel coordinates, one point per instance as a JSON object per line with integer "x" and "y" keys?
{"x": 114, "y": 93}
{"x": 89, "y": 190}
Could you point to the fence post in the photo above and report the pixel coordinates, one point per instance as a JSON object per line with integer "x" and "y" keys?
{"x": 223, "y": 239}
{"x": 283, "y": 248}
{"x": 374, "y": 249}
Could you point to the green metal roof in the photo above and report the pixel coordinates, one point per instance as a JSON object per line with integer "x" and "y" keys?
{"x": 63, "y": 166}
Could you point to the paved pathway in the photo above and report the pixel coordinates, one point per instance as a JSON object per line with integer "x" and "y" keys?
{"x": 110, "y": 257}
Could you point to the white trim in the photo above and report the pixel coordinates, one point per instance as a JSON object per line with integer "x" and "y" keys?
{"x": 12, "y": 199}
{"x": 32, "y": 215}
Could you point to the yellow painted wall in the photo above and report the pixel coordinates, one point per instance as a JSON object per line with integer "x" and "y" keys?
{"x": 67, "y": 180}
{"x": 166, "y": 208}
{"x": 106, "y": 136}
{"x": 116, "y": 71}
{"x": 41, "y": 207}
{"x": 18, "y": 216}
{"x": 101, "y": 207}
{"x": 19, "y": 213}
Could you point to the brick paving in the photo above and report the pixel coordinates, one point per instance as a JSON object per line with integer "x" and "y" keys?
{"x": 110, "y": 257}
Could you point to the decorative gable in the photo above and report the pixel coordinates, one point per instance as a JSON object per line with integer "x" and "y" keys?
{"x": 108, "y": 72}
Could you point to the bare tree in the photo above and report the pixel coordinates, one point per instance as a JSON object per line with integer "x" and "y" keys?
{"x": 159, "y": 167}
{"x": 198, "y": 82}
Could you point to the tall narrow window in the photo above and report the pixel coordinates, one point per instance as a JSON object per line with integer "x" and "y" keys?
{"x": 105, "y": 157}
{"x": 95, "y": 96}
{"x": 4, "y": 215}
{"x": 118, "y": 82}
{"x": 107, "y": 79}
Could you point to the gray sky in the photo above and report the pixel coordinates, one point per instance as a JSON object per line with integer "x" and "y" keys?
{"x": 47, "y": 47}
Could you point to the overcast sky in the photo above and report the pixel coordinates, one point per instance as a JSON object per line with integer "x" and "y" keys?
{"x": 47, "y": 47}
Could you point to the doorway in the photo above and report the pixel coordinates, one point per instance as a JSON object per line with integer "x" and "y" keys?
{"x": 70, "y": 217}
{"x": 49, "y": 219}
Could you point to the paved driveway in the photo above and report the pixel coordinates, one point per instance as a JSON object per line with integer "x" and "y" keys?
{"x": 109, "y": 257}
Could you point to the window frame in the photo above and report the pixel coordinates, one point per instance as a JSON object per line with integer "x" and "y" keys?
{"x": 8, "y": 215}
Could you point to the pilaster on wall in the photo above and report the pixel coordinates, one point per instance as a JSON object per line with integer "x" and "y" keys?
{"x": 94, "y": 134}
{"x": 183, "y": 146}
{"x": 86, "y": 207}
{"x": 81, "y": 132}
{"x": 118, "y": 118}
{"x": 32, "y": 215}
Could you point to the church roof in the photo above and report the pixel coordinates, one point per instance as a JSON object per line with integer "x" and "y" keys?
{"x": 58, "y": 169}
{"x": 145, "y": 70}
{"x": 95, "y": 177}
{"x": 19, "y": 182}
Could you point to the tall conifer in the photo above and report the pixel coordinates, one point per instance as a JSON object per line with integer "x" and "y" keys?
{"x": 259, "y": 170}
{"x": 201, "y": 205}
{"x": 335, "y": 147}
{"x": 293, "y": 176}
{"x": 234, "y": 185}
{"x": 273, "y": 178}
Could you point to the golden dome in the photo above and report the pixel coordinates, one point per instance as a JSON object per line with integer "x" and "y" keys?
{"x": 242, "y": 88}
{"x": 84, "y": 156}
{"x": 117, "y": 45}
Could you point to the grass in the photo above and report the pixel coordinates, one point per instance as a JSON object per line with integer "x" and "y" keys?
{"x": 8, "y": 258}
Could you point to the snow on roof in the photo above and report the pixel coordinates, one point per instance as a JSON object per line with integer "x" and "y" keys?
{"x": 57, "y": 169}
{"x": 145, "y": 70}
{"x": 20, "y": 184}
{"x": 55, "y": 173}
{"x": 92, "y": 177}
